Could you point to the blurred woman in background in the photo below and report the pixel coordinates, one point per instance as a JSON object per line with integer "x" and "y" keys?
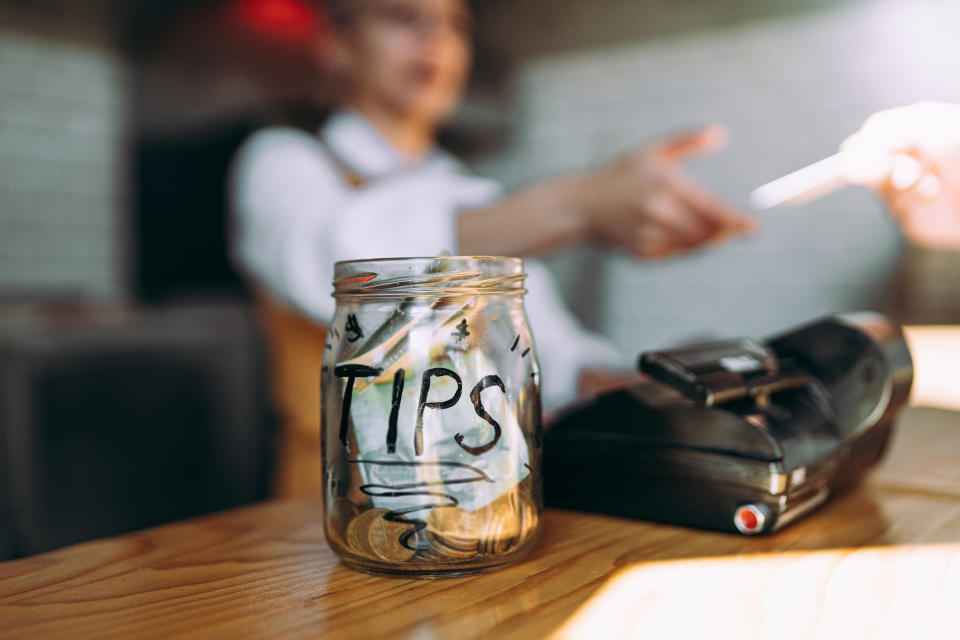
{"x": 373, "y": 183}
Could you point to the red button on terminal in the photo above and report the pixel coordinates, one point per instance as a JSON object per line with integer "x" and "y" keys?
{"x": 749, "y": 519}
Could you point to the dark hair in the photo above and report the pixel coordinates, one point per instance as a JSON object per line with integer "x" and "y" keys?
{"x": 341, "y": 11}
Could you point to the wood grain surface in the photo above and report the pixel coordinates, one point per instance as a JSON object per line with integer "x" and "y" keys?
{"x": 878, "y": 562}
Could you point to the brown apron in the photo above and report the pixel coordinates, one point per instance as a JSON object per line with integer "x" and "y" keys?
{"x": 295, "y": 344}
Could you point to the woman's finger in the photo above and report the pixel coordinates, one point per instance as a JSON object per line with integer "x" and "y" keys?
{"x": 651, "y": 242}
{"x": 702, "y": 141}
{"x": 683, "y": 226}
{"x": 722, "y": 215}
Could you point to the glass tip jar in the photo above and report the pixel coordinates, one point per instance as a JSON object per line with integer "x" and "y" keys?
{"x": 431, "y": 425}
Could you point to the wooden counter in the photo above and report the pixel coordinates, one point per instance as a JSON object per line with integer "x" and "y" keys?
{"x": 882, "y": 561}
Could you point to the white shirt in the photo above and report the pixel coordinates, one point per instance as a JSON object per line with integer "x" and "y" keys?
{"x": 295, "y": 216}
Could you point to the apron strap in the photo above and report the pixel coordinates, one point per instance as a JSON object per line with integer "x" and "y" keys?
{"x": 350, "y": 177}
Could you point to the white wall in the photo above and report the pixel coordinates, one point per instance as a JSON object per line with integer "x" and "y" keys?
{"x": 62, "y": 131}
{"x": 790, "y": 90}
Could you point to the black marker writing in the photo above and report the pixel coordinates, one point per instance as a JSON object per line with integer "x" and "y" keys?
{"x": 353, "y": 327}
{"x": 417, "y": 489}
{"x": 461, "y": 331}
{"x": 515, "y": 343}
{"x": 351, "y": 372}
{"x": 395, "y": 411}
{"x": 428, "y": 375}
{"x": 485, "y": 383}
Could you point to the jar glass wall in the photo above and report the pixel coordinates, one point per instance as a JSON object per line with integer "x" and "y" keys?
{"x": 431, "y": 426}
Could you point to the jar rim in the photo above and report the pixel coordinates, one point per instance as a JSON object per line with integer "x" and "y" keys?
{"x": 401, "y": 277}
{"x": 492, "y": 259}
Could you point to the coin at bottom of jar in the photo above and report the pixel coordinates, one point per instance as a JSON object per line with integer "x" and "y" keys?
{"x": 496, "y": 528}
{"x": 372, "y": 536}
{"x": 507, "y": 531}
{"x": 384, "y": 537}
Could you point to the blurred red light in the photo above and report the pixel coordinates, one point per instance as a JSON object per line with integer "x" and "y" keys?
{"x": 282, "y": 19}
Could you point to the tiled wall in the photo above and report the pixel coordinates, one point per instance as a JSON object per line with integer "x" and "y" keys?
{"x": 790, "y": 90}
{"x": 61, "y": 151}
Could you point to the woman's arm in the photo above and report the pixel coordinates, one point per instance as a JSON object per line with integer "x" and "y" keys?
{"x": 528, "y": 221}
{"x": 642, "y": 202}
